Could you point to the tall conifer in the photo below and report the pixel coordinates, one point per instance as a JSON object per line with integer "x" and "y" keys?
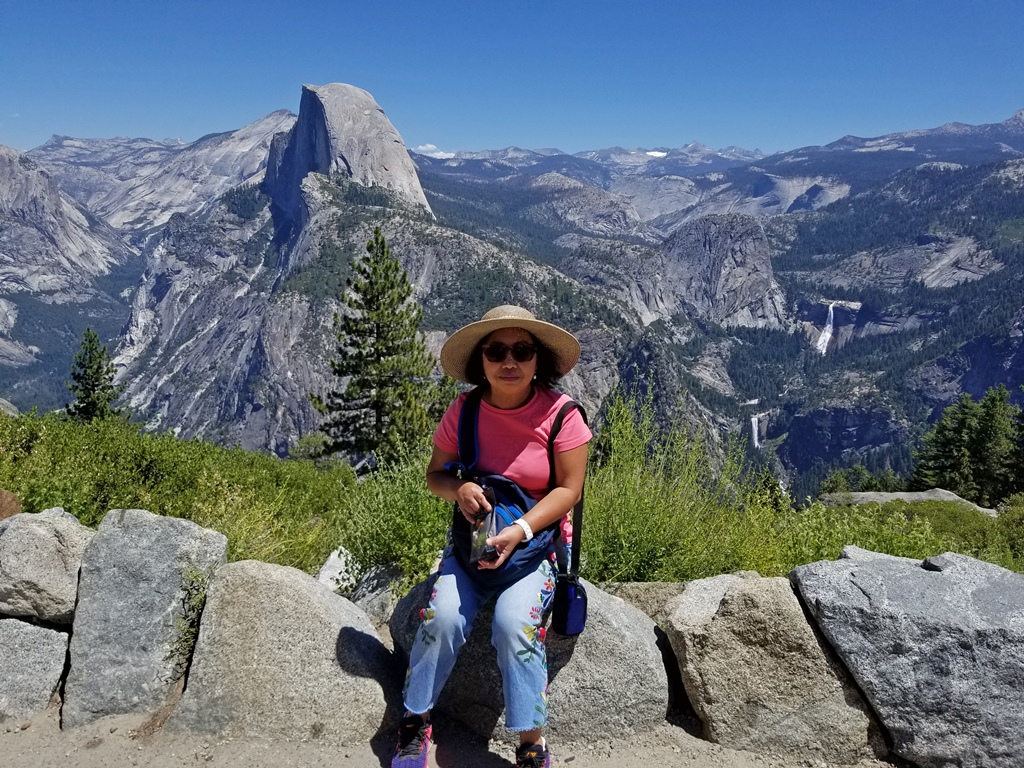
{"x": 92, "y": 381}
{"x": 387, "y": 401}
{"x": 993, "y": 446}
{"x": 974, "y": 449}
{"x": 944, "y": 460}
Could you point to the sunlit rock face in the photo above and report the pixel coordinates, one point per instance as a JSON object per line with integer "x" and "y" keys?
{"x": 720, "y": 268}
{"x": 138, "y": 184}
{"x": 48, "y": 243}
{"x": 341, "y": 131}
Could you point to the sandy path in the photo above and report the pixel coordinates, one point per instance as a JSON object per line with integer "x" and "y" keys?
{"x": 111, "y": 743}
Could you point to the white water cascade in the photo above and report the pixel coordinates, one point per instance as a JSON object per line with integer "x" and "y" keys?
{"x": 755, "y": 430}
{"x": 826, "y": 334}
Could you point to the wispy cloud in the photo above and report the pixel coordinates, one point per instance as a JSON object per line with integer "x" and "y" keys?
{"x": 432, "y": 151}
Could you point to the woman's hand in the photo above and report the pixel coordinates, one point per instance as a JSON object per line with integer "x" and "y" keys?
{"x": 471, "y": 500}
{"x": 505, "y": 541}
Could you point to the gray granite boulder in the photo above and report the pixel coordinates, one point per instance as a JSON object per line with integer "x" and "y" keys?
{"x": 758, "y": 677}
{"x": 128, "y": 642}
{"x": 937, "y": 648}
{"x": 609, "y": 680}
{"x": 31, "y": 666}
{"x": 280, "y": 654}
{"x": 651, "y": 597}
{"x": 375, "y": 593}
{"x": 848, "y": 498}
{"x": 40, "y": 555}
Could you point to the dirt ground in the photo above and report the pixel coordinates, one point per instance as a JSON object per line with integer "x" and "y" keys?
{"x": 113, "y": 743}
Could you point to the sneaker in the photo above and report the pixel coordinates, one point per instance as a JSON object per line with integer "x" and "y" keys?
{"x": 533, "y": 756}
{"x": 414, "y": 735}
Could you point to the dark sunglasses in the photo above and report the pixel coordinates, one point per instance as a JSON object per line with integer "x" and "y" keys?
{"x": 521, "y": 352}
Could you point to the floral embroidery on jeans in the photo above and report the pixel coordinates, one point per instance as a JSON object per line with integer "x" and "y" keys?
{"x": 426, "y": 614}
{"x": 542, "y": 708}
{"x": 535, "y": 633}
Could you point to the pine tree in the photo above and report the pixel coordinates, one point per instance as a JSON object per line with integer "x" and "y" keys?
{"x": 1017, "y": 459}
{"x": 944, "y": 460}
{"x": 993, "y": 446}
{"x": 92, "y": 381}
{"x": 388, "y": 402}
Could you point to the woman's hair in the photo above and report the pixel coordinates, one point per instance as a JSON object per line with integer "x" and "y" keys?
{"x": 547, "y": 373}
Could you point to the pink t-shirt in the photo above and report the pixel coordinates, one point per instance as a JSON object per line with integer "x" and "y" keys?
{"x": 514, "y": 443}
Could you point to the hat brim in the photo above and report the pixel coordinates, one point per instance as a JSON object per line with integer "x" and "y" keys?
{"x": 460, "y": 345}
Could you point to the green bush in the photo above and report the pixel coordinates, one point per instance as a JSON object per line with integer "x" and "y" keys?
{"x": 1010, "y": 525}
{"x": 286, "y": 512}
{"x": 818, "y": 532}
{"x": 961, "y": 528}
{"x": 659, "y": 506}
{"x": 657, "y": 509}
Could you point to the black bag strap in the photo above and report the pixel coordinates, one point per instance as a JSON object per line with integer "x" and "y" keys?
{"x": 469, "y": 451}
{"x": 577, "y": 511}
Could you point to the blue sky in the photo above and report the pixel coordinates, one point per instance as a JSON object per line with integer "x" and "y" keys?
{"x": 481, "y": 75}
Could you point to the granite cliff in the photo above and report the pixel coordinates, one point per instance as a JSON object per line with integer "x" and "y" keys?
{"x": 136, "y": 185}
{"x": 341, "y": 132}
{"x": 798, "y": 288}
{"x": 54, "y": 254}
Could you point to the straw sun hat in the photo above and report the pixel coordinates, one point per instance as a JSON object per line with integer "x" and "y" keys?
{"x": 460, "y": 345}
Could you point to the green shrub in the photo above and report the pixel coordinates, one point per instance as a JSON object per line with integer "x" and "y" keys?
{"x": 658, "y": 509}
{"x": 659, "y": 506}
{"x": 1010, "y": 525}
{"x": 286, "y": 512}
{"x": 960, "y": 527}
{"x": 818, "y": 532}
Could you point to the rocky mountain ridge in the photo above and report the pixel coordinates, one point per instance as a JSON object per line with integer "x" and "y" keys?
{"x": 768, "y": 285}
{"x": 342, "y": 131}
{"x": 136, "y": 185}
{"x": 230, "y": 328}
{"x": 53, "y": 252}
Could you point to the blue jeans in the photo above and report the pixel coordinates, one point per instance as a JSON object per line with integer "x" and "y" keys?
{"x": 516, "y": 634}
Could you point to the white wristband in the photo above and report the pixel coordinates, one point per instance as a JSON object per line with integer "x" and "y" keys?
{"x": 526, "y": 528}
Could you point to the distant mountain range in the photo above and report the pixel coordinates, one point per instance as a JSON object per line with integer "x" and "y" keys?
{"x": 710, "y": 279}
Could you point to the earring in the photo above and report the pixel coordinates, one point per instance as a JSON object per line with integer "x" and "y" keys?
{"x": 535, "y": 377}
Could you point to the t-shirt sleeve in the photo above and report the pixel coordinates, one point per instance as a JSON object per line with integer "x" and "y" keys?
{"x": 574, "y": 432}
{"x": 446, "y": 436}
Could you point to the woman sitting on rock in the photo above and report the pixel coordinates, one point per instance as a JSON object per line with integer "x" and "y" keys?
{"x": 513, "y": 359}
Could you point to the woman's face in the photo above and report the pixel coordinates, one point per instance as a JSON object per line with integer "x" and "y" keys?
{"x": 510, "y": 380}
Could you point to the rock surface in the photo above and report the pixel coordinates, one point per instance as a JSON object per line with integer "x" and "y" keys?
{"x": 341, "y": 131}
{"x": 720, "y": 268}
{"x": 651, "y": 597}
{"x": 40, "y": 555}
{"x": 616, "y": 659}
{"x": 138, "y": 184}
{"x": 375, "y": 593}
{"x": 50, "y": 243}
{"x": 126, "y": 644}
{"x": 281, "y": 655}
{"x": 878, "y": 497}
{"x": 31, "y": 667}
{"x": 937, "y": 649}
{"x": 758, "y": 677}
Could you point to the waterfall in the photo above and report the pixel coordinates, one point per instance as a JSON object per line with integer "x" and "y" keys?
{"x": 826, "y": 333}
{"x": 755, "y": 431}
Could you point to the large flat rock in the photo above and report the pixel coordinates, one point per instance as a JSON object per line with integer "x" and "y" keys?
{"x": 281, "y": 655}
{"x": 937, "y": 648}
{"x": 757, "y": 675}
{"x": 126, "y": 646}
